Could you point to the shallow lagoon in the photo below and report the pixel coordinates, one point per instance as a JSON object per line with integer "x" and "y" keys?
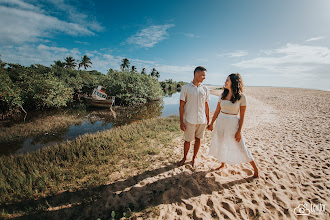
{"x": 95, "y": 120}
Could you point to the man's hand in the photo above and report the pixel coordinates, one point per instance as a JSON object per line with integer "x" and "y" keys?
{"x": 210, "y": 127}
{"x": 182, "y": 126}
{"x": 238, "y": 136}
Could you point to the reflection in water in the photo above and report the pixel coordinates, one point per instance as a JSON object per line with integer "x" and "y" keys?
{"x": 94, "y": 120}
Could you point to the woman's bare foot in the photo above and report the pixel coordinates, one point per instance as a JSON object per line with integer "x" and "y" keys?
{"x": 193, "y": 163}
{"x": 256, "y": 173}
{"x": 255, "y": 168}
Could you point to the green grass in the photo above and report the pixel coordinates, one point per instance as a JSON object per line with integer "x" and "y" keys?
{"x": 37, "y": 127}
{"x": 89, "y": 161}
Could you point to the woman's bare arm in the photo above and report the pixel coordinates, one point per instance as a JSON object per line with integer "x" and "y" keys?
{"x": 215, "y": 116}
{"x": 240, "y": 123}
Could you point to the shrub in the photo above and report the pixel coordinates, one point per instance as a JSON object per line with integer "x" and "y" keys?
{"x": 132, "y": 88}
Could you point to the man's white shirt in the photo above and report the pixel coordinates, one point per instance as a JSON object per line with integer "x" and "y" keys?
{"x": 195, "y": 98}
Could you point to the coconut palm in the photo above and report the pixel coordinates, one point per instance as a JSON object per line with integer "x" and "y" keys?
{"x": 70, "y": 62}
{"x": 59, "y": 63}
{"x": 157, "y": 75}
{"x": 153, "y": 72}
{"x": 133, "y": 69}
{"x": 85, "y": 61}
{"x": 125, "y": 64}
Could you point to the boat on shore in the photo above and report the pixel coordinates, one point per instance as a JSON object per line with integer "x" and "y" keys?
{"x": 99, "y": 98}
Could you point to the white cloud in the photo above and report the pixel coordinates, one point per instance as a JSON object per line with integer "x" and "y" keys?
{"x": 237, "y": 53}
{"x": 142, "y": 61}
{"x": 75, "y": 15}
{"x": 190, "y": 35}
{"x": 23, "y": 22}
{"x": 150, "y": 36}
{"x": 20, "y": 4}
{"x": 315, "y": 39}
{"x": 81, "y": 42}
{"x": 56, "y": 49}
{"x": 292, "y": 59}
{"x": 46, "y": 55}
{"x": 174, "y": 69}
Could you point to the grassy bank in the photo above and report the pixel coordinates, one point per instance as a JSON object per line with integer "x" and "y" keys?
{"x": 37, "y": 127}
{"x": 89, "y": 161}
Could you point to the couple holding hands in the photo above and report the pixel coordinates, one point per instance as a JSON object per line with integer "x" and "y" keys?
{"x": 227, "y": 144}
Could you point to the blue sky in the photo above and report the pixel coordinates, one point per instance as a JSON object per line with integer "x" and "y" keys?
{"x": 271, "y": 43}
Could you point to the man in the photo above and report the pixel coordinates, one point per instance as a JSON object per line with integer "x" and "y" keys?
{"x": 194, "y": 112}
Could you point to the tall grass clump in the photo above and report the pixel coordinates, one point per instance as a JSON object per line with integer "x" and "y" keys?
{"x": 86, "y": 162}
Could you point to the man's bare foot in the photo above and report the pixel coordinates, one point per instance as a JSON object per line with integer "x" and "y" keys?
{"x": 223, "y": 165}
{"x": 181, "y": 162}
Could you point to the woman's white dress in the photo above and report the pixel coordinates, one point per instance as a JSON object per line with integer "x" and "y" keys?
{"x": 224, "y": 146}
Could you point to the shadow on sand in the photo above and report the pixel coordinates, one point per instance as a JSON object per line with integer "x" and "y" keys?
{"x": 122, "y": 195}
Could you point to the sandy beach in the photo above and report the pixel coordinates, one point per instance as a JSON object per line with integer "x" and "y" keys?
{"x": 287, "y": 131}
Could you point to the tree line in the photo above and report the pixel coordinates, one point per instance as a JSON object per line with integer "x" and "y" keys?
{"x": 35, "y": 87}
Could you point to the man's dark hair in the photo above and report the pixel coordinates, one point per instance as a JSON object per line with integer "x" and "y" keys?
{"x": 199, "y": 69}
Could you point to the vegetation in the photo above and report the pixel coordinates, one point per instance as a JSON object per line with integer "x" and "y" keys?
{"x": 85, "y": 62}
{"x": 132, "y": 88}
{"x": 41, "y": 87}
{"x": 169, "y": 86}
{"x": 87, "y": 162}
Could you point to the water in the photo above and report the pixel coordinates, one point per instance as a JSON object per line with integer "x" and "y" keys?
{"x": 172, "y": 103}
{"x": 94, "y": 120}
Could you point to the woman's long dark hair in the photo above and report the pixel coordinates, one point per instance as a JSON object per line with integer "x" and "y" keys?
{"x": 237, "y": 87}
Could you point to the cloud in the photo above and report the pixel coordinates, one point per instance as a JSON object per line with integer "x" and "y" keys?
{"x": 237, "y": 53}
{"x": 81, "y": 42}
{"x": 315, "y": 39}
{"x": 20, "y": 4}
{"x": 28, "y": 54}
{"x": 23, "y": 22}
{"x": 175, "y": 69}
{"x": 54, "y": 49}
{"x": 150, "y": 36}
{"x": 190, "y": 35}
{"x": 75, "y": 15}
{"x": 291, "y": 59}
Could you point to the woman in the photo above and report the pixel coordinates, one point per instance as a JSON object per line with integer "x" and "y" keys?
{"x": 227, "y": 142}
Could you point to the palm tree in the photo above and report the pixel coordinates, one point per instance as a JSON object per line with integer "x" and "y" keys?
{"x": 157, "y": 75}
{"x": 153, "y": 72}
{"x": 125, "y": 64}
{"x": 133, "y": 69}
{"x": 85, "y": 61}
{"x": 70, "y": 62}
{"x": 59, "y": 63}
{"x": 144, "y": 71}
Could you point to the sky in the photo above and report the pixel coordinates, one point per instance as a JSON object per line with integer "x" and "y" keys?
{"x": 282, "y": 43}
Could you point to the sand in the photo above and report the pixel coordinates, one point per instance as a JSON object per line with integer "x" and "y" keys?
{"x": 287, "y": 131}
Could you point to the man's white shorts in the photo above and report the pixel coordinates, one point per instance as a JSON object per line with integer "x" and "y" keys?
{"x": 194, "y": 130}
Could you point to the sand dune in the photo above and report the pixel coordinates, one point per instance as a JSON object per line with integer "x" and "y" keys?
{"x": 287, "y": 131}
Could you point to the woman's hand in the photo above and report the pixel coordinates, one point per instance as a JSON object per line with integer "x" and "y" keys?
{"x": 210, "y": 127}
{"x": 238, "y": 136}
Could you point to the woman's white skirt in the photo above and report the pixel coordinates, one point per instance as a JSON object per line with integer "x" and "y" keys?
{"x": 224, "y": 146}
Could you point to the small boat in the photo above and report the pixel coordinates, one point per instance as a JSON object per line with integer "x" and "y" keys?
{"x": 100, "y": 98}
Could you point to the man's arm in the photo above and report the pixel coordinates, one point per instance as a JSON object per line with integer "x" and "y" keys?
{"x": 181, "y": 110}
{"x": 207, "y": 112}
